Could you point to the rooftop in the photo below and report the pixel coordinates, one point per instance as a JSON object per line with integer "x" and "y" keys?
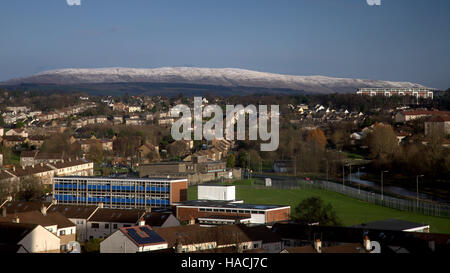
{"x": 391, "y": 224}
{"x": 36, "y": 217}
{"x": 142, "y": 235}
{"x": 12, "y": 233}
{"x": 117, "y": 215}
{"x": 109, "y": 179}
{"x": 226, "y": 204}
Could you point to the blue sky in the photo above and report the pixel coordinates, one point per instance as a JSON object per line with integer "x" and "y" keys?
{"x": 401, "y": 40}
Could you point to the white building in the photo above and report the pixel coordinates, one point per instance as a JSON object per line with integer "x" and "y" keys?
{"x": 217, "y": 192}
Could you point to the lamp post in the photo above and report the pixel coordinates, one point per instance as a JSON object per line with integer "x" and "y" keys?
{"x": 382, "y": 184}
{"x": 327, "y": 166}
{"x": 417, "y": 189}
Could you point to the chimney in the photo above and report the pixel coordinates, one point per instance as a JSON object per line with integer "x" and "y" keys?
{"x": 141, "y": 222}
{"x": 54, "y": 201}
{"x": 70, "y": 159}
{"x": 23, "y": 167}
{"x": 318, "y": 246}
{"x": 3, "y": 212}
{"x": 179, "y": 247}
{"x": 16, "y": 220}
{"x": 100, "y": 205}
{"x": 44, "y": 210}
{"x": 14, "y": 168}
{"x": 192, "y": 221}
{"x": 32, "y": 166}
{"x": 367, "y": 243}
{"x": 9, "y": 198}
{"x": 148, "y": 209}
{"x": 42, "y": 164}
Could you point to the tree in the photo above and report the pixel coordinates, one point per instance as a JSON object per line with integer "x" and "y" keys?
{"x": 382, "y": 142}
{"x": 96, "y": 153}
{"x": 30, "y": 189}
{"x": 314, "y": 210}
{"x": 230, "y": 161}
{"x": 316, "y": 135}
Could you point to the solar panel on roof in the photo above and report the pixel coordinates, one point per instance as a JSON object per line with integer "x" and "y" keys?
{"x": 153, "y": 236}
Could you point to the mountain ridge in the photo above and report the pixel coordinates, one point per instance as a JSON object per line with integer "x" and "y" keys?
{"x": 228, "y": 77}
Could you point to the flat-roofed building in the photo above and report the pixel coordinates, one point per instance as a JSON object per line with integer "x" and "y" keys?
{"x": 406, "y": 116}
{"x": 258, "y": 214}
{"x": 119, "y": 192}
{"x": 388, "y": 92}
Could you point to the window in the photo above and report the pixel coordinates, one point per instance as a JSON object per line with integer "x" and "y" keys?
{"x": 106, "y": 226}
{"x": 126, "y": 225}
{"x": 95, "y": 225}
{"x": 62, "y": 232}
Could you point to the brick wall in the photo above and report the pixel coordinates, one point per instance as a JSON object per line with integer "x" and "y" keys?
{"x": 186, "y": 214}
{"x": 178, "y": 192}
{"x": 277, "y": 215}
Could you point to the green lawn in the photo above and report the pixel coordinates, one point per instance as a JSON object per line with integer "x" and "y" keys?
{"x": 351, "y": 211}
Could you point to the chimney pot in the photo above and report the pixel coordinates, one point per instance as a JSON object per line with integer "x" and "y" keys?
{"x": 367, "y": 243}
{"x": 16, "y": 220}
{"x": 318, "y": 246}
{"x": 100, "y": 205}
{"x": 44, "y": 210}
{"x": 4, "y": 212}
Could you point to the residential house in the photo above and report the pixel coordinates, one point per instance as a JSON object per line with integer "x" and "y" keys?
{"x": 54, "y": 222}
{"x": 160, "y": 219}
{"x": 27, "y": 238}
{"x": 147, "y": 149}
{"x": 77, "y": 214}
{"x": 37, "y": 141}
{"x": 101, "y": 119}
{"x": 135, "y": 122}
{"x": 13, "y": 141}
{"x": 27, "y": 158}
{"x": 43, "y": 172}
{"x": 439, "y": 125}
{"x": 133, "y": 239}
{"x": 134, "y": 108}
{"x": 106, "y": 221}
{"x": 406, "y": 116}
{"x": 117, "y": 120}
{"x": 192, "y": 238}
{"x": 75, "y": 167}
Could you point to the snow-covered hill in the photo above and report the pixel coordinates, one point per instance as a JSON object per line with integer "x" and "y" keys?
{"x": 207, "y": 76}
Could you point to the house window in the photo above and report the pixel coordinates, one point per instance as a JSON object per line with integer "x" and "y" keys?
{"x": 106, "y": 226}
{"x": 95, "y": 225}
{"x": 62, "y": 232}
{"x": 255, "y": 245}
{"x": 115, "y": 226}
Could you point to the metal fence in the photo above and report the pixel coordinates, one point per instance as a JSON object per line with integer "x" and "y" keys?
{"x": 411, "y": 205}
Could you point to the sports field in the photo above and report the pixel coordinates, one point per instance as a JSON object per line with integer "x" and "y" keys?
{"x": 351, "y": 211}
